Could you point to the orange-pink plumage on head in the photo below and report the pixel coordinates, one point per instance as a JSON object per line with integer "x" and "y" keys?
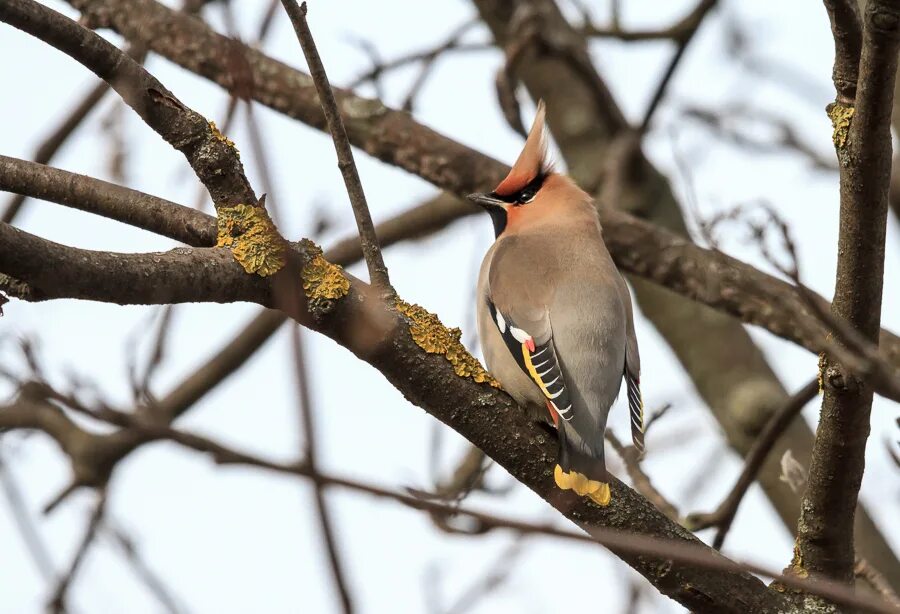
{"x": 532, "y": 161}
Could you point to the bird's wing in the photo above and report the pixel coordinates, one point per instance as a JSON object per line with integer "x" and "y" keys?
{"x": 530, "y": 341}
{"x": 632, "y": 371}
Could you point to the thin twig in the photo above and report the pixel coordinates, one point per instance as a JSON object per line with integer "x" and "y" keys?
{"x": 696, "y": 19}
{"x": 863, "y": 569}
{"x": 378, "y": 273}
{"x": 304, "y": 402}
{"x": 774, "y": 428}
{"x": 157, "y": 353}
{"x": 429, "y": 60}
{"x": 149, "y": 578}
{"x": 19, "y": 509}
{"x": 490, "y": 581}
{"x": 639, "y": 478}
{"x": 57, "y": 602}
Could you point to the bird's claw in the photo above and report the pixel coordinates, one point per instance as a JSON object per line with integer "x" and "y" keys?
{"x": 598, "y": 492}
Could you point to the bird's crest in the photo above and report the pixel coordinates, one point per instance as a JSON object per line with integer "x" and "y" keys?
{"x": 532, "y": 161}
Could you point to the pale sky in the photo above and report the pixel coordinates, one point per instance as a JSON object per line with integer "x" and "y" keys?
{"x": 236, "y": 540}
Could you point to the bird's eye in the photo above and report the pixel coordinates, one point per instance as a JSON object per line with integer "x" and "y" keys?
{"x": 526, "y": 196}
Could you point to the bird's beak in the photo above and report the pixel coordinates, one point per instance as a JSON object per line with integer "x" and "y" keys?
{"x": 487, "y": 200}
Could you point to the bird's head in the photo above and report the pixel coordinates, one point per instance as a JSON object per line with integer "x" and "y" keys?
{"x": 532, "y": 190}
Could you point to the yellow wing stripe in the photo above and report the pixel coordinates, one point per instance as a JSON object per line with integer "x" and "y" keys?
{"x": 533, "y": 372}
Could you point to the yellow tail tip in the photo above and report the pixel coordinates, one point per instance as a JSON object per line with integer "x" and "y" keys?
{"x": 572, "y": 480}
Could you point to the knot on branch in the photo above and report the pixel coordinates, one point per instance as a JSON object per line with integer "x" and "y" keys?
{"x": 883, "y": 19}
{"x": 841, "y": 115}
{"x": 323, "y": 282}
{"x": 430, "y": 334}
{"x": 250, "y": 233}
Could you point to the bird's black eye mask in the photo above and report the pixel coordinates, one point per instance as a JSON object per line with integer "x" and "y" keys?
{"x": 526, "y": 194}
{"x": 516, "y": 199}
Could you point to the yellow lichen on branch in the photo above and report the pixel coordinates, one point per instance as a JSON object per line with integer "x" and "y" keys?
{"x": 323, "y": 281}
{"x": 217, "y": 134}
{"x": 431, "y": 335}
{"x": 250, "y": 233}
{"x": 841, "y": 115}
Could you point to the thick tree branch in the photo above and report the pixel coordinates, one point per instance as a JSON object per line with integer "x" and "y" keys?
{"x": 181, "y": 275}
{"x": 825, "y": 543}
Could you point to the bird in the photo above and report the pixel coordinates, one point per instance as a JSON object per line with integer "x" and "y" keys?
{"x": 554, "y": 314}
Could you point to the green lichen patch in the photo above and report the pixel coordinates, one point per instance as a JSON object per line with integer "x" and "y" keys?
{"x": 250, "y": 233}
{"x": 431, "y": 335}
{"x": 217, "y": 134}
{"x": 323, "y": 281}
{"x": 841, "y": 115}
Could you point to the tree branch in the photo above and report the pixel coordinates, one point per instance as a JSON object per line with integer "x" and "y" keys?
{"x": 304, "y": 403}
{"x": 684, "y": 39}
{"x": 109, "y": 200}
{"x": 846, "y": 29}
{"x": 775, "y": 427}
{"x": 378, "y": 273}
{"x": 825, "y": 541}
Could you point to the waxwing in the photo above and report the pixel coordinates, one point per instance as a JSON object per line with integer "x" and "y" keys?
{"x": 554, "y": 314}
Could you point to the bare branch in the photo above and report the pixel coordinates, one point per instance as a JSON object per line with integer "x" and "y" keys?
{"x": 862, "y": 138}
{"x": 694, "y": 20}
{"x": 19, "y": 511}
{"x": 640, "y": 479}
{"x": 377, "y": 270}
{"x": 775, "y": 427}
{"x": 678, "y": 31}
{"x": 177, "y": 276}
{"x": 130, "y": 551}
{"x": 304, "y": 402}
{"x": 57, "y": 601}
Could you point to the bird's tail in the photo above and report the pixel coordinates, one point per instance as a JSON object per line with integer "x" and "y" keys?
{"x": 636, "y": 408}
{"x": 581, "y": 470}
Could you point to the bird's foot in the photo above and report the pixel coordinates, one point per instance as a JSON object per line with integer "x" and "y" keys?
{"x": 584, "y": 487}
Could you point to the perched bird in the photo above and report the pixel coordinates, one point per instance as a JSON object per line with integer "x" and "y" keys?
{"x": 554, "y": 314}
